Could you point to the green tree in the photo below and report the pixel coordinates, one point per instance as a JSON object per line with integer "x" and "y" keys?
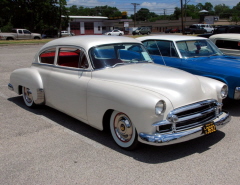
{"x": 34, "y": 15}
{"x": 222, "y": 11}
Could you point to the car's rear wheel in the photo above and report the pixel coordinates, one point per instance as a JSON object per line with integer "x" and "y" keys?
{"x": 148, "y": 33}
{"x": 28, "y": 97}
{"x": 123, "y": 131}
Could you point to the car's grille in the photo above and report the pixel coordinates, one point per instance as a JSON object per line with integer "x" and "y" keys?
{"x": 190, "y": 116}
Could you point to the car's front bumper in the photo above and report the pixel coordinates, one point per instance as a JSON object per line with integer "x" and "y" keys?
{"x": 237, "y": 93}
{"x": 172, "y": 138}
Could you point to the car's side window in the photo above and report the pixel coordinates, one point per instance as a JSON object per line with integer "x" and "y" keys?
{"x": 228, "y": 44}
{"x": 47, "y": 57}
{"x": 167, "y": 48}
{"x": 72, "y": 57}
{"x": 152, "y": 47}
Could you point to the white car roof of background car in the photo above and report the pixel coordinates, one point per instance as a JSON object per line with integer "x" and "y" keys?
{"x": 227, "y": 36}
{"x": 170, "y": 37}
{"x": 88, "y": 41}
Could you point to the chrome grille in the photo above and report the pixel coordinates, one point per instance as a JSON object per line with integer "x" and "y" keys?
{"x": 190, "y": 116}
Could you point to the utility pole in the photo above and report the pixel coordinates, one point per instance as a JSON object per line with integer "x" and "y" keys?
{"x": 183, "y": 32}
{"x": 135, "y": 4}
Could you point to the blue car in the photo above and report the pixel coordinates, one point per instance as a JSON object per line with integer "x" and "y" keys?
{"x": 195, "y": 55}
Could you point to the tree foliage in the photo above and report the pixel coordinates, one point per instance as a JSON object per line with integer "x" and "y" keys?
{"x": 105, "y": 11}
{"x": 34, "y": 15}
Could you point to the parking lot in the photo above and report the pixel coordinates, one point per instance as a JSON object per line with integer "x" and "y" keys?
{"x": 45, "y": 146}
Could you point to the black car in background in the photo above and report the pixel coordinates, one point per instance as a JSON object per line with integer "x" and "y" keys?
{"x": 223, "y": 29}
{"x": 194, "y": 29}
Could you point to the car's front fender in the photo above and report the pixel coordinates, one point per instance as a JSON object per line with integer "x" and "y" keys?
{"x": 138, "y": 103}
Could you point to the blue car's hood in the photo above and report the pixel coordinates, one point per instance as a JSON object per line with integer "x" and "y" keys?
{"x": 220, "y": 62}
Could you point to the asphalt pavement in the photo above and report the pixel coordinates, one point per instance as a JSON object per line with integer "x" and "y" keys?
{"x": 44, "y": 146}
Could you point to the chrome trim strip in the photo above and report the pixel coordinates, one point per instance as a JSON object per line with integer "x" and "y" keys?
{"x": 61, "y": 67}
{"x": 177, "y": 137}
{"x": 237, "y": 93}
{"x": 192, "y": 106}
{"x": 196, "y": 115}
{"x": 40, "y": 96}
{"x": 10, "y": 87}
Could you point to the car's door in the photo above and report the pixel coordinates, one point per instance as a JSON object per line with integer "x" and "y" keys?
{"x": 20, "y": 34}
{"x": 163, "y": 52}
{"x": 190, "y": 63}
{"x": 27, "y": 34}
{"x": 67, "y": 86}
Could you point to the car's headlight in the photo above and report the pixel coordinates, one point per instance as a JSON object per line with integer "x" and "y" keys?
{"x": 160, "y": 107}
{"x": 224, "y": 92}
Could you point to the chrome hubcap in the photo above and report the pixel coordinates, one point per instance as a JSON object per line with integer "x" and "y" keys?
{"x": 123, "y": 127}
{"x": 28, "y": 95}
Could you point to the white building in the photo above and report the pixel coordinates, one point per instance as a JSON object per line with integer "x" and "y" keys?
{"x": 89, "y": 25}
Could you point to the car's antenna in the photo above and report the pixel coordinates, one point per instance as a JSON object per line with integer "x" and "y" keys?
{"x": 161, "y": 54}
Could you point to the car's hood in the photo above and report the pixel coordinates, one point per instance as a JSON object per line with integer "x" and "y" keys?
{"x": 176, "y": 85}
{"x": 221, "y": 62}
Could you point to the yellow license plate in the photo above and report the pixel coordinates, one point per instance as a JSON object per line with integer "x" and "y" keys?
{"x": 209, "y": 128}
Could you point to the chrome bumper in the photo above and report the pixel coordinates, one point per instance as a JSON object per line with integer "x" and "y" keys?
{"x": 178, "y": 137}
{"x": 10, "y": 87}
{"x": 237, "y": 93}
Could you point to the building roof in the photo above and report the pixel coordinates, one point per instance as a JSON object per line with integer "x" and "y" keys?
{"x": 87, "y": 17}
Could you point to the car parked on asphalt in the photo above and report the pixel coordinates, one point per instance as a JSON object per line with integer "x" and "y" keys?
{"x": 196, "y": 55}
{"x": 19, "y": 34}
{"x": 115, "y": 32}
{"x": 207, "y": 27}
{"x": 222, "y": 29}
{"x": 194, "y": 29}
{"x": 111, "y": 82}
{"x": 228, "y": 43}
{"x": 65, "y": 33}
{"x": 142, "y": 31}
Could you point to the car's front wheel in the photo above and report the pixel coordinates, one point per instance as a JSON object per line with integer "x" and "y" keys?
{"x": 120, "y": 34}
{"x": 123, "y": 131}
{"x": 28, "y": 97}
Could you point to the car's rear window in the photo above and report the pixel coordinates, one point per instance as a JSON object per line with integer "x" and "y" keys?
{"x": 228, "y": 44}
{"x": 47, "y": 57}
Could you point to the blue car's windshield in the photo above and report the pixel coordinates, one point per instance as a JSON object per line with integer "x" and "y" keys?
{"x": 198, "y": 48}
{"x": 118, "y": 54}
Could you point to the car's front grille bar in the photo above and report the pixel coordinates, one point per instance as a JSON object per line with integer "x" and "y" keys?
{"x": 190, "y": 116}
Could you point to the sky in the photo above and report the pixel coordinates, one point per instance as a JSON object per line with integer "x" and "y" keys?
{"x": 157, "y": 6}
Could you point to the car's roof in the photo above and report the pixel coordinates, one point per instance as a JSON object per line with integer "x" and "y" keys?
{"x": 231, "y": 36}
{"x": 170, "y": 37}
{"x": 88, "y": 41}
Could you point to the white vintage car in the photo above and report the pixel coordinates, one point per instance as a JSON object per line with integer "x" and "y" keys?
{"x": 228, "y": 43}
{"x": 111, "y": 82}
{"x": 115, "y": 32}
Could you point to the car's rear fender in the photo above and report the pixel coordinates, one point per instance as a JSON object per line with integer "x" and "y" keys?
{"x": 30, "y": 78}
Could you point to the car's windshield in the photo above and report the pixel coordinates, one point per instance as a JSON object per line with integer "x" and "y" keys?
{"x": 118, "y": 54}
{"x": 198, "y": 48}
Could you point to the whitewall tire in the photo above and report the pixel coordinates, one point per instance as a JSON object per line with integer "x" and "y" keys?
{"x": 123, "y": 131}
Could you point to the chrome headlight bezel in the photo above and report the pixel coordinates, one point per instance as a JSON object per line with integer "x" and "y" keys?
{"x": 160, "y": 107}
{"x": 223, "y": 92}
